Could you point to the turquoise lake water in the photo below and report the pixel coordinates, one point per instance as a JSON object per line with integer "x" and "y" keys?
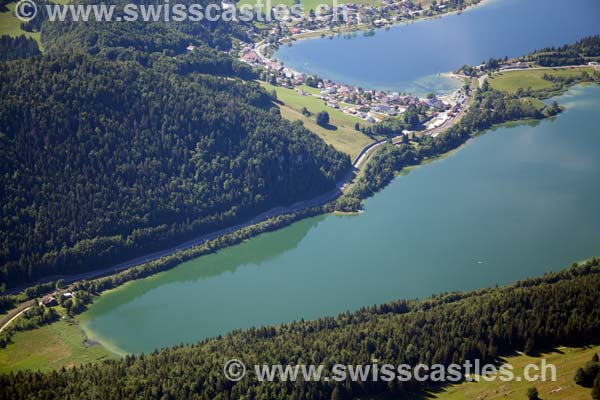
{"x": 513, "y": 203}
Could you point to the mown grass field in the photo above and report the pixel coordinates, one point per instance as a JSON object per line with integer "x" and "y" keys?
{"x": 341, "y": 133}
{"x": 343, "y": 139}
{"x": 510, "y": 81}
{"x": 11, "y": 25}
{"x": 566, "y": 360}
{"x": 295, "y": 100}
{"x": 50, "y": 347}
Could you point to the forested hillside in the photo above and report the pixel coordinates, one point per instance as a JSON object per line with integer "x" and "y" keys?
{"x": 556, "y": 309}
{"x": 14, "y": 48}
{"x": 116, "y": 142}
{"x": 154, "y": 36}
{"x": 587, "y": 49}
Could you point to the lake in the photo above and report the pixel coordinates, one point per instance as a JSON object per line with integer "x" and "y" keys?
{"x": 513, "y": 203}
{"x": 411, "y": 57}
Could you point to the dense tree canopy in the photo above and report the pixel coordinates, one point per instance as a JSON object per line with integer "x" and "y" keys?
{"x": 170, "y": 37}
{"x": 587, "y": 49}
{"x": 560, "y": 308}
{"x": 14, "y": 48}
{"x": 119, "y": 140}
{"x": 103, "y": 160}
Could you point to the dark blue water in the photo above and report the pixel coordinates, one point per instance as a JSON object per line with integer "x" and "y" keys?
{"x": 410, "y": 57}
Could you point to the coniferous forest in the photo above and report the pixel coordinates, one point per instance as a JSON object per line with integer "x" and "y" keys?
{"x": 14, "y": 48}
{"x": 557, "y": 309}
{"x": 580, "y": 52}
{"x": 117, "y": 142}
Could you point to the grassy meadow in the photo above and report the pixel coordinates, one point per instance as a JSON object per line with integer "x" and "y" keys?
{"x": 11, "y": 25}
{"x": 51, "y": 347}
{"x": 511, "y": 81}
{"x": 566, "y": 360}
{"x": 340, "y": 134}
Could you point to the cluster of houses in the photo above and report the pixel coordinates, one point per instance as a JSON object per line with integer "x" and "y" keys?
{"x": 352, "y": 14}
{"x": 369, "y": 105}
{"x": 51, "y": 300}
{"x": 372, "y": 105}
{"x": 514, "y": 65}
{"x": 454, "y": 105}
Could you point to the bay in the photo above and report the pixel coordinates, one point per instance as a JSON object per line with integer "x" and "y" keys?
{"x": 414, "y": 57}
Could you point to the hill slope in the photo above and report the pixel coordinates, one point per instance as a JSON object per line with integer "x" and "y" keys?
{"x": 560, "y": 308}
{"x": 104, "y": 160}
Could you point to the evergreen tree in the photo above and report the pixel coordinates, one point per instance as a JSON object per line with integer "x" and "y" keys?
{"x": 323, "y": 118}
{"x": 339, "y": 393}
{"x": 459, "y": 327}
{"x": 580, "y": 377}
{"x": 596, "y": 388}
{"x": 131, "y": 165}
{"x": 532, "y": 394}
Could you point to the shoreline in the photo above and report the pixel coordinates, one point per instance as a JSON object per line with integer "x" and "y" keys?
{"x": 398, "y": 174}
{"x": 298, "y": 207}
{"x": 366, "y": 28}
{"x": 261, "y": 46}
{"x": 100, "y": 340}
{"x": 175, "y": 251}
{"x": 116, "y": 350}
{"x": 259, "y": 49}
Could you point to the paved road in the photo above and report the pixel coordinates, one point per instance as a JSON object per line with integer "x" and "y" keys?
{"x": 314, "y": 202}
{"x": 14, "y": 314}
{"x": 323, "y": 199}
{"x": 482, "y": 79}
{"x": 538, "y": 68}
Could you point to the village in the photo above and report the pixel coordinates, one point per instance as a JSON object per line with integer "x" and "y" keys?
{"x": 369, "y": 105}
{"x": 348, "y": 15}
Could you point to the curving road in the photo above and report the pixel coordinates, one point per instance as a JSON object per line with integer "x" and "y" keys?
{"x": 15, "y": 313}
{"x": 320, "y": 200}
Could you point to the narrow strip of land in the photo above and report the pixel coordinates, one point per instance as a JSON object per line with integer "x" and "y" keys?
{"x": 320, "y": 200}
{"x": 15, "y": 313}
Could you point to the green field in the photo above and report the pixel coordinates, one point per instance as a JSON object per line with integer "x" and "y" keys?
{"x": 295, "y": 100}
{"x": 342, "y": 136}
{"x": 51, "y": 347}
{"x": 510, "y": 81}
{"x": 566, "y": 360}
{"x": 537, "y": 103}
{"x": 11, "y": 25}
